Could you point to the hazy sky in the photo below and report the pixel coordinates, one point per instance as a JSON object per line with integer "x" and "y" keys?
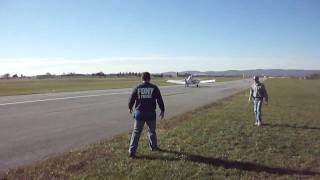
{"x": 39, "y": 36}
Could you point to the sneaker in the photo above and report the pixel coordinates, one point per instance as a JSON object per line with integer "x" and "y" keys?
{"x": 259, "y": 124}
{"x": 256, "y": 123}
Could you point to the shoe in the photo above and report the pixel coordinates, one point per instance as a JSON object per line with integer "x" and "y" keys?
{"x": 155, "y": 149}
{"x": 132, "y": 155}
{"x": 259, "y": 124}
{"x": 256, "y": 123}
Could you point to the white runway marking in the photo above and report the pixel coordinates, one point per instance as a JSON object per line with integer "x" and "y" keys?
{"x": 62, "y": 98}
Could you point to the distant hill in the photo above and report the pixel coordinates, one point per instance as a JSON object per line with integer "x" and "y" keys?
{"x": 259, "y": 72}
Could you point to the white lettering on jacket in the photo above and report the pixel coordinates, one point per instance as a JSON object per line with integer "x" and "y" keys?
{"x": 145, "y": 93}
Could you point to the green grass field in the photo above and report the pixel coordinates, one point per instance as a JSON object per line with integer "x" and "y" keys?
{"x": 218, "y": 141}
{"x": 19, "y": 87}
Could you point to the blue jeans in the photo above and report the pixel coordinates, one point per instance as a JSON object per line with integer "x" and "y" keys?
{"x": 257, "y": 108}
{"x": 140, "y": 119}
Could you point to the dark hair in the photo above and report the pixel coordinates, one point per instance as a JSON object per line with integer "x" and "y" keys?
{"x": 145, "y": 76}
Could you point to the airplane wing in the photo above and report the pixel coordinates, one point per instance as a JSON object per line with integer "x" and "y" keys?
{"x": 207, "y": 81}
{"x": 176, "y": 82}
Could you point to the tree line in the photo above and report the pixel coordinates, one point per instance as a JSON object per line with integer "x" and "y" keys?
{"x": 98, "y": 74}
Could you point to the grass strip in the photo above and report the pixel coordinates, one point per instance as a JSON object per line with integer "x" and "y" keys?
{"x": 22, "y": 87}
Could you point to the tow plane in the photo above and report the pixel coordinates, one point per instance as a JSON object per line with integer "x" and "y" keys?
{"x": 191, "y": 81}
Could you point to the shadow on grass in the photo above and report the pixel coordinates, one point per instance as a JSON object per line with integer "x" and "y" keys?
{"x": 290, "y": 126}
{"x": 227, "y": 164}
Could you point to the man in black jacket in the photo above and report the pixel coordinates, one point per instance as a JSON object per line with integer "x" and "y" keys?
{"x": 145, "y": 96}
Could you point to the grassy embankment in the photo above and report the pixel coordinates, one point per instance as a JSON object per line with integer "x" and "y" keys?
{"x": 18, "y": 87}
{"x": 216, "y": 141}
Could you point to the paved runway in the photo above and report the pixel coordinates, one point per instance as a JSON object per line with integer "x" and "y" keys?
{"x": 35, "y": 126}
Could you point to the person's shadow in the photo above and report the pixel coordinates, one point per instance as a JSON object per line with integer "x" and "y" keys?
{"x": 291, "y": 126}
{"x": 227, "y": 164}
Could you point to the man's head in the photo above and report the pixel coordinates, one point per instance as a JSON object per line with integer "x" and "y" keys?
{"x": 256, "y": 78}
{"x": 145, "y": 77}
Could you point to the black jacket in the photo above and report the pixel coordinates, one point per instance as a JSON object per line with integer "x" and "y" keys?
{"x": 145, "y": 96}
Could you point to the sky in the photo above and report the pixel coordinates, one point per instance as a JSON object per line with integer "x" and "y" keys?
{"x": 87, "y": 36}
